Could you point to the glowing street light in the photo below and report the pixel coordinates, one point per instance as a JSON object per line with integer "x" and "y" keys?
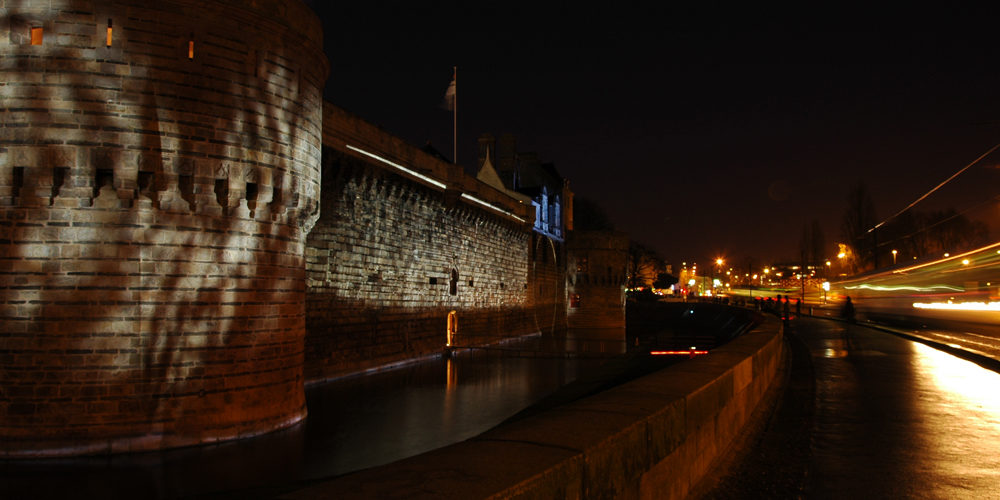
{"x": 894, "y": 252}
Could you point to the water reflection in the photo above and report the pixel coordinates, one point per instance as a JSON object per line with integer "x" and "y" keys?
{"x": 353, "y": 423}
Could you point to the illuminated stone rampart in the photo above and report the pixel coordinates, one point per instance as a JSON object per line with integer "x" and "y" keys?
{"x": 404, "y": 240}
{"x": 159, "y": 170}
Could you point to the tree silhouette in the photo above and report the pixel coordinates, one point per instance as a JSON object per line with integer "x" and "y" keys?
{"x": 857, "y": 220}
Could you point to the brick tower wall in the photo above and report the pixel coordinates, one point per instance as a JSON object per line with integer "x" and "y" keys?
{"x": 155, "y": 194}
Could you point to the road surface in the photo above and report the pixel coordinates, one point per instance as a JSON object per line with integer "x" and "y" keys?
{"x": 868, "y": 414}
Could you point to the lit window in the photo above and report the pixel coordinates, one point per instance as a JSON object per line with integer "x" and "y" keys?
{"x": 191, "y": 47}
{"x": 108, "y": 41}
{"x": 36, "y": 36}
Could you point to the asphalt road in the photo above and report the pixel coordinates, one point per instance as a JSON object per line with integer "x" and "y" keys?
{"x": 864, "y": 413}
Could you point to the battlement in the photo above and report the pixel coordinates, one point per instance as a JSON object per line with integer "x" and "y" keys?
{"x": 159, "y": 170}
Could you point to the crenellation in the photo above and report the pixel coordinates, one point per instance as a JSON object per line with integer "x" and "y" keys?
{"x": 189, "y": 252}
{"x": 131, "y": 177}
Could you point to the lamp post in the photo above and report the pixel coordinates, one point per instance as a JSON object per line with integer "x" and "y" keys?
{"x": 718, "y": 265}
{"x": 894, "y": 252}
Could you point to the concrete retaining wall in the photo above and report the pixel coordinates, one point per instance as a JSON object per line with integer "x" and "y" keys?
{"x": 654, "y": 437}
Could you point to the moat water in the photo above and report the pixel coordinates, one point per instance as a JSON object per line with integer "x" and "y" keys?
{"x": 353, "y": 423}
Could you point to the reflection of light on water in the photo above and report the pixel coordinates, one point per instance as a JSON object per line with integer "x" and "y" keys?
{"x": 451, "y": 381}
{"x": 959, "y": 306}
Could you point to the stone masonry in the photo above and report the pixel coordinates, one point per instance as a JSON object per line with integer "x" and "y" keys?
{"x": 159, "y": 171}
{"x": 189, "y": 233}
{"x": 393, "y": 254}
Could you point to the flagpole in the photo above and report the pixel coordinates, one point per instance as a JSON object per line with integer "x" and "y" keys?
{"x": 454, "y": 107}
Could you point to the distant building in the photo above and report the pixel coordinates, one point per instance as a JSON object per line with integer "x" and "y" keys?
{"x": 526, "y": 178}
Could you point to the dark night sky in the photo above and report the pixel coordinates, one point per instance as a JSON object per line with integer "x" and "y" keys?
{"x": 701, "y": 132}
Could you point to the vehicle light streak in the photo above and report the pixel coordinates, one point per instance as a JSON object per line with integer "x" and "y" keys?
{"x": 959, "y": 306}
{"x": 939, "y": 261}
{"x": 906, "y": 288}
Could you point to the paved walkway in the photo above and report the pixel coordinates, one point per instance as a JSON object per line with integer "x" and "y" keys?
{"x": 872, "y": 415}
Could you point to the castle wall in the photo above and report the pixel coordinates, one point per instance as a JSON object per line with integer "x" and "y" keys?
{"x": 155, "y": 194}
{"x": 547, "y": 288}
{"x": 596, "y": 271}
{"x": 393, "y": 254}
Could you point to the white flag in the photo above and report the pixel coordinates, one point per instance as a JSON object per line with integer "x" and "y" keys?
{"x": 449, "y": 95}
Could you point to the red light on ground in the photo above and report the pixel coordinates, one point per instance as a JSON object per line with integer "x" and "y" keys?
{"x": 677, "y": 353}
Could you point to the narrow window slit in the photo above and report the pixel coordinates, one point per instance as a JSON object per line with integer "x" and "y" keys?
{"x": 18, "y": 180}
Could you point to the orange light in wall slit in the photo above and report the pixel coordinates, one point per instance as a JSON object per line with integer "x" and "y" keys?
{"x": 36, "y": 36}
{"x": 190, "y": 49}
{"x": 108, "y": 40}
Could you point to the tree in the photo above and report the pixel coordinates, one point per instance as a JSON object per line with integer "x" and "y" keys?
{"x": 643, "y": 266}
{"x": 950, "y": 231}
{"x": 932, "y": 233}
{"x": 858, "y": 219}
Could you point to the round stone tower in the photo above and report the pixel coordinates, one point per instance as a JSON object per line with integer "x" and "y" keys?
{"x": 159, "y": 170}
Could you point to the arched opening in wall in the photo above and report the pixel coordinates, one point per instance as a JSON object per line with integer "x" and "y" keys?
{"x": 452, "y": 327}
{"x": 453, "y": 286}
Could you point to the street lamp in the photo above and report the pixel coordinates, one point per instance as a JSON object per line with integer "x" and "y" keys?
{"x": 894, "y": 252}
